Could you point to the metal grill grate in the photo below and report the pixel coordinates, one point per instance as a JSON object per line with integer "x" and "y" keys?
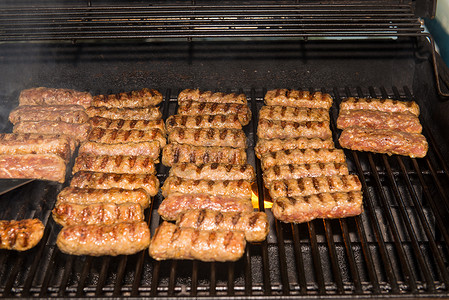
{"x": 397, "y": 247}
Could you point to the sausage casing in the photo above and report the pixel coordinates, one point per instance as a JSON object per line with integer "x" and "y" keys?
{"x": 222, "y": 137}
{"x": 274, "y": 129}
{"x": 118, "y": 136}
{"x": 114, "y": 164}
{"x": 193, "y": 108}
{"x": 296, "y": 114}
{"x": 141, "y": 113}
{"x": 385, "y": 105}
{"x": 213, "y": 171}
{"x": 124, "y": 124}
{"x": 52, "y": 96}
{"x": 285, "y": 97}
{"x": 203, "y": 121}
{"x": 208, "y": 96}
{"x": 141, "y": 98}
{"x": 20, "y": 235}
{"x": 151, "y": 149}
{"x": 265, "y": 146}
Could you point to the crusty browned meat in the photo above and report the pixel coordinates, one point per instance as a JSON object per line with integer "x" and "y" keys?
{"x": 173, "y": 242}
{"x": 150, "y": 149}
{"x": 123, "y": 238}
{"x": 20, "y": 235}
{"x": 86, "y": 179}
{"x": 325, "y": 205}
{"x": 375, "y": 119}
{"x": 67, "y": 214}
{"x": 231, "y": 188}
{"x": 254, "y": 224}
{"x": 77, "y": 131}
{"x": 141, "y": 98}
{"x": 52, "y": 96}
{"x": 63, "y": 113}
{"x": 385, "y": 105}
{"x": 302, "y": 156}
{"x": 314, "y": 185}
{"x": 86, "y": 196}
{"x": 143, "y": 113}
{"x": 292, "y": 171}
{"x": 285, "y": 97}
{"x": 225, "y": 137}
{"x": 118, "y": 136}
{"x": 127, "y": 124}
{"x": 273, "y": 129}
{"x": 384, "y": 141}
{"x": 213, "y": 171}
{"x": 11, "y": 143}
{"x": 33, "y": 166}
{"x": 177, "y": 203}
{"x": 114, "y": 164}
{"x": 175, "y": 153}
{"x": 203, "y": 121}
{"x": 208, "y": 96}
{"x": 296, "y": 114}
{"x": 264, "y": 146}
{"x": 193, "y": 108}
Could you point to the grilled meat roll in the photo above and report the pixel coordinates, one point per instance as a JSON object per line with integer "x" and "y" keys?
{"x": 67, "y": 214}
{"x": 33, "y": 166}
{"x": 213, "y": 171}
{"x": 203, "y": 121}
{"x": 384, "y": 141}
{"x": 142, "y": 113}
{"x": 77, "y": 131}
{"x": 51, "y": 96}
{"x": 60, "y": 113}
{"x": 123, "y": 124}
{"x": 193, "y": 108}
{"x": 385, "y": 105}
{"x": 314, "y": 185}
{"x": 176, "y": 203}
{"x": 123, "y": 238}
{"x": 118, "y": 136}
{"x": 264, "y": 146}
{"x": 20, "y": 235}
{"x": 292, "y": 171}
{"x": 254, "y": 224}
{"x": 208, "y": 96}
{"x": 114, "y": 164}
{"x": 86, "y": 196}
{"x": 285, "y": 97}
{"x": 231, "y": 188}
{"x": 302, "y": 156}
{"x": 174, "y": 153}
{"x": 296, "y": 114}
{"x": 142, "y": 98}
{"x": 406, "y": 122}
{"x": 235, "y": 138}
{"x": 273, "y": 129}
{"x": 150, "y": 149}
{"x": 324, "y": 205}
{"x": 85, "y": 179}
{"x": 172, "y": 242}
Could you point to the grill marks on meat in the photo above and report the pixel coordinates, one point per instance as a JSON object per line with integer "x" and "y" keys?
{"x": 203, "y": 121}
{"x": 384, "y": 141}
{"x": 67, "y": 214}
{"x": 142, "y": 113}
{"x": 173, "y": 242}
{"x": 20, "y": 235}
{"x": 174, "y": 153}
{"x": 265, "y": 146}
{"x": 60, "y": 113}
{"x": 296, "y": 114}
{"x": 292, "y": 171}
{"x": 285, "y": 97}
{"x": 133, "y": 99}
{"x": 117, "y": 136}
{"x": 406, "y": 122}
{"x": 254, "y": 224}
{"x": 314, "y": 185}
{"x": 231, "y": 188}
{"x": 213, "y": 171}
{"x": 235, "y": 138}
{"x": 193, "y": 108}
{"x": 87, "y": 196}
{"x": 123, "y": 124}
{"x": 114, "y": 164}
{"x": 324, "y": 205}
{"x": 123, "y": 238}
{"x": 384, "y": 105}
{"x": 208, "y": 96}
{"x": 150, "y": 149}
{"x": 85, "y": 179}
{"x": 52, "y": 96}
{"x": 77, "y": 131}
{"x": 177, "y": 203}
{"x": 275, "y": 129}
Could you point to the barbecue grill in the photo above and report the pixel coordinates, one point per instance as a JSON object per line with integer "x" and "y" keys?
{"x": 399, "y": 246}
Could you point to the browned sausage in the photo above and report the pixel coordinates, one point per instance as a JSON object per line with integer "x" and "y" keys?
{"x": 114, "y": 164}
{"x": 223, "y": 137}
{"x": 264, "y": 146}
{"x": 203, "y": 121}
{"x": 77, "y": 131}
{"x": 193, "y": 108}
{"x": 118, "y": 136}
{"x": 52, "y": 96}
{"x": 141, "y": 98}
{"x": 208, "y": 96}
{"x": 385, "y": 105}
{"x": 296, "y": 98}
{"x": 62, "y": 113}
{"x": 150, "y": 149}
{"x": 296, "y": 114}
{"x": 213, "y": 171}
{"x": 274, "y": 129}
{"x": 142, "y": 113}
{"x": 20, "y": 235}
{"x": 124, "y": 124}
